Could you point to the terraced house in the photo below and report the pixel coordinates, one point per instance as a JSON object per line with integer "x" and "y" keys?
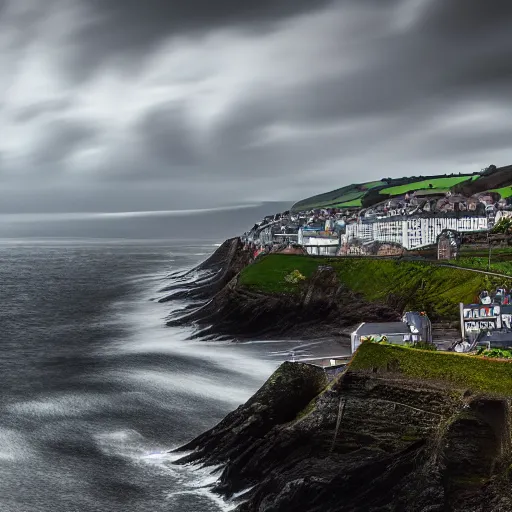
{"x": 412, "y": 232}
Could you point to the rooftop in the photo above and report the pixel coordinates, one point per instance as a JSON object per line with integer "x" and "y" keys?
{"x": 367, "y": 328}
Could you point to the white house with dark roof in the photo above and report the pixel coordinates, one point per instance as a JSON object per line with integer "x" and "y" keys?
{"x": 414, "y": 327}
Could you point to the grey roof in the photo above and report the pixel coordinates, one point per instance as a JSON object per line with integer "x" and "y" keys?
{"x": 378, "y": 328}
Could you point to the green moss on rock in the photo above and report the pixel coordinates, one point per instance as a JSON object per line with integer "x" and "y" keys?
{"x": 460, "y": 370}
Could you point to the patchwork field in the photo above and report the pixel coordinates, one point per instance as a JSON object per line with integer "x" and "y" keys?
{"x": 366, "y": 194}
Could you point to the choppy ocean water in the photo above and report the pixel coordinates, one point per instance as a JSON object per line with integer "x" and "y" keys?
{"x": 95, "y": 389}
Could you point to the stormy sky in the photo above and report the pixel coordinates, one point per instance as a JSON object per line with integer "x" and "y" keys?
{"x": 130, "y": 105}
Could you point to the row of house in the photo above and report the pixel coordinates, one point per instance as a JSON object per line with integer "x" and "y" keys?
{"x": 409, "y": 222}
{"x": 412, "y": 232}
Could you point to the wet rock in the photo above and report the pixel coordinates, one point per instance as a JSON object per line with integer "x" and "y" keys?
{"x": 368, "y": 442}
{"x": 216, "y": 272}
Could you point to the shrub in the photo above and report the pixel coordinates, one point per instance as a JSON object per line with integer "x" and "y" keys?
{"x": 504, "y": 226}
{"x": 495, "y": 353}
{"x": 294, "y": 277}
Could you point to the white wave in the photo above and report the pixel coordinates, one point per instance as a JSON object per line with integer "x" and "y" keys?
{"x": 129, "y": 444}
{"x": 198, "y": 481}
{"x": 190, "y": 384}
{"x": 13, "y": 446}
{"x": 192, "y": 479}
{"x": 242, "y": 492}
{"x": 69, "y": 405}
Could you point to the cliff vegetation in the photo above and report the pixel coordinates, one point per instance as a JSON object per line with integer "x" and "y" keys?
{"x": 401, "y": 284}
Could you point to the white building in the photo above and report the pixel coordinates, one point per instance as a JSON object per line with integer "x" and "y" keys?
{"x": 319, "y": 243}
{"x": 412, "y": 232}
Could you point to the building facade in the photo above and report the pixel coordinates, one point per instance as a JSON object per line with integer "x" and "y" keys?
{"x": 480, "y": 318}
{"x": 319, "y": 243}
{"x": 412, "y": 232}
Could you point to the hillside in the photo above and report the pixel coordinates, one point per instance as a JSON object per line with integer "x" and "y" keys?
{"x": 359, "y": 195}
{"x": 416, "y": 285}
{"x": 331, "y": 295}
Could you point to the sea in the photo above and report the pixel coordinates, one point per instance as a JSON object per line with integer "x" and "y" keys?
{"x": 95, "y": 389}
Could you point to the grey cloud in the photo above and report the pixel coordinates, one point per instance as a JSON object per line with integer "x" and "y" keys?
{"x": 465, "y": 18}
{"x": 133, "y": 27}
{"x": 372, "y": 98}
{"x": 60, "y": 138}
{"x": 168, "y": 137}
{"x": 31, "y": 112}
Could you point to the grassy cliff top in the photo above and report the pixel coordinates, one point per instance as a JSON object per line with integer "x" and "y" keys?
{"x": 460, "y": 370}
{"x": 424, "y": 286}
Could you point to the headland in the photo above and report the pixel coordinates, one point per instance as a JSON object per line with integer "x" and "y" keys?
{"x": 402, "y": 426}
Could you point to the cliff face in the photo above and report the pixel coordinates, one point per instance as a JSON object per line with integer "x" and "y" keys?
{"x": 322, "y": 300}
{"x": 374, "y": 440}
{"x": 234, "y": 296}
{"x": 214, "y": 273}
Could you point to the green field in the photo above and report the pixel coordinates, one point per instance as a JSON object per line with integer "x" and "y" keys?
{"x": 462, "y": 371}
{"x": 504, "y": 192}
{"x": 372, "y": 184}
{"x": 437, "y": 183}
{"x": 414, "y": 285}
{"x": 339, "y": 198}
{"x": 349, "y": 204}
{"x": 502, "y": 266}
{"x": 354, "y": 195}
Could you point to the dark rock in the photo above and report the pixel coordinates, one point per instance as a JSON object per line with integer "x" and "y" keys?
{"x": 215, "y": 273}
{"x": 368, "y": 442}
{"x": 322, "y": 300}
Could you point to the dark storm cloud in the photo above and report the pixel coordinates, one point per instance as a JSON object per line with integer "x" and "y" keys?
{"x": 181, "y": 104}
{"x": 401, "y": 71}
{"x": 465, "y": 18}
{"x": 133, "y": 27}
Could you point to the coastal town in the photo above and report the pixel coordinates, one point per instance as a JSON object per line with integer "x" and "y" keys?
{"x": 426, "y": 218}
{"x": 394, "y": 221}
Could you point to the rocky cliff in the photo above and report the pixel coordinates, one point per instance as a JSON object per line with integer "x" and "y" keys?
{"x": 233, "y": 296}
{"x": 230, "y": 309}
{"x": 213, "y": 274}
{"x": 394, "y": 432}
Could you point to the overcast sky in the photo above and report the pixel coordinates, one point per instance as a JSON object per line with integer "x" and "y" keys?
{"x": 127, "y": 105}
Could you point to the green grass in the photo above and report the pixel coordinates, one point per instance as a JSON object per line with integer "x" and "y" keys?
{"x": 336, "y": 197}
{"x": 372, "y": 184}
{"x": 441, "y": 183}
{"x": 353, "y": 195}
{"x": 348, "y": 204}
{"x": 504, "y": 192}
{"x": 331, "y": 203}
{"x": 460, "y": 370}
{"x": 481, "y": 263}
{"x": 420, "y": 286}
{"x": 268, "y": 274}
